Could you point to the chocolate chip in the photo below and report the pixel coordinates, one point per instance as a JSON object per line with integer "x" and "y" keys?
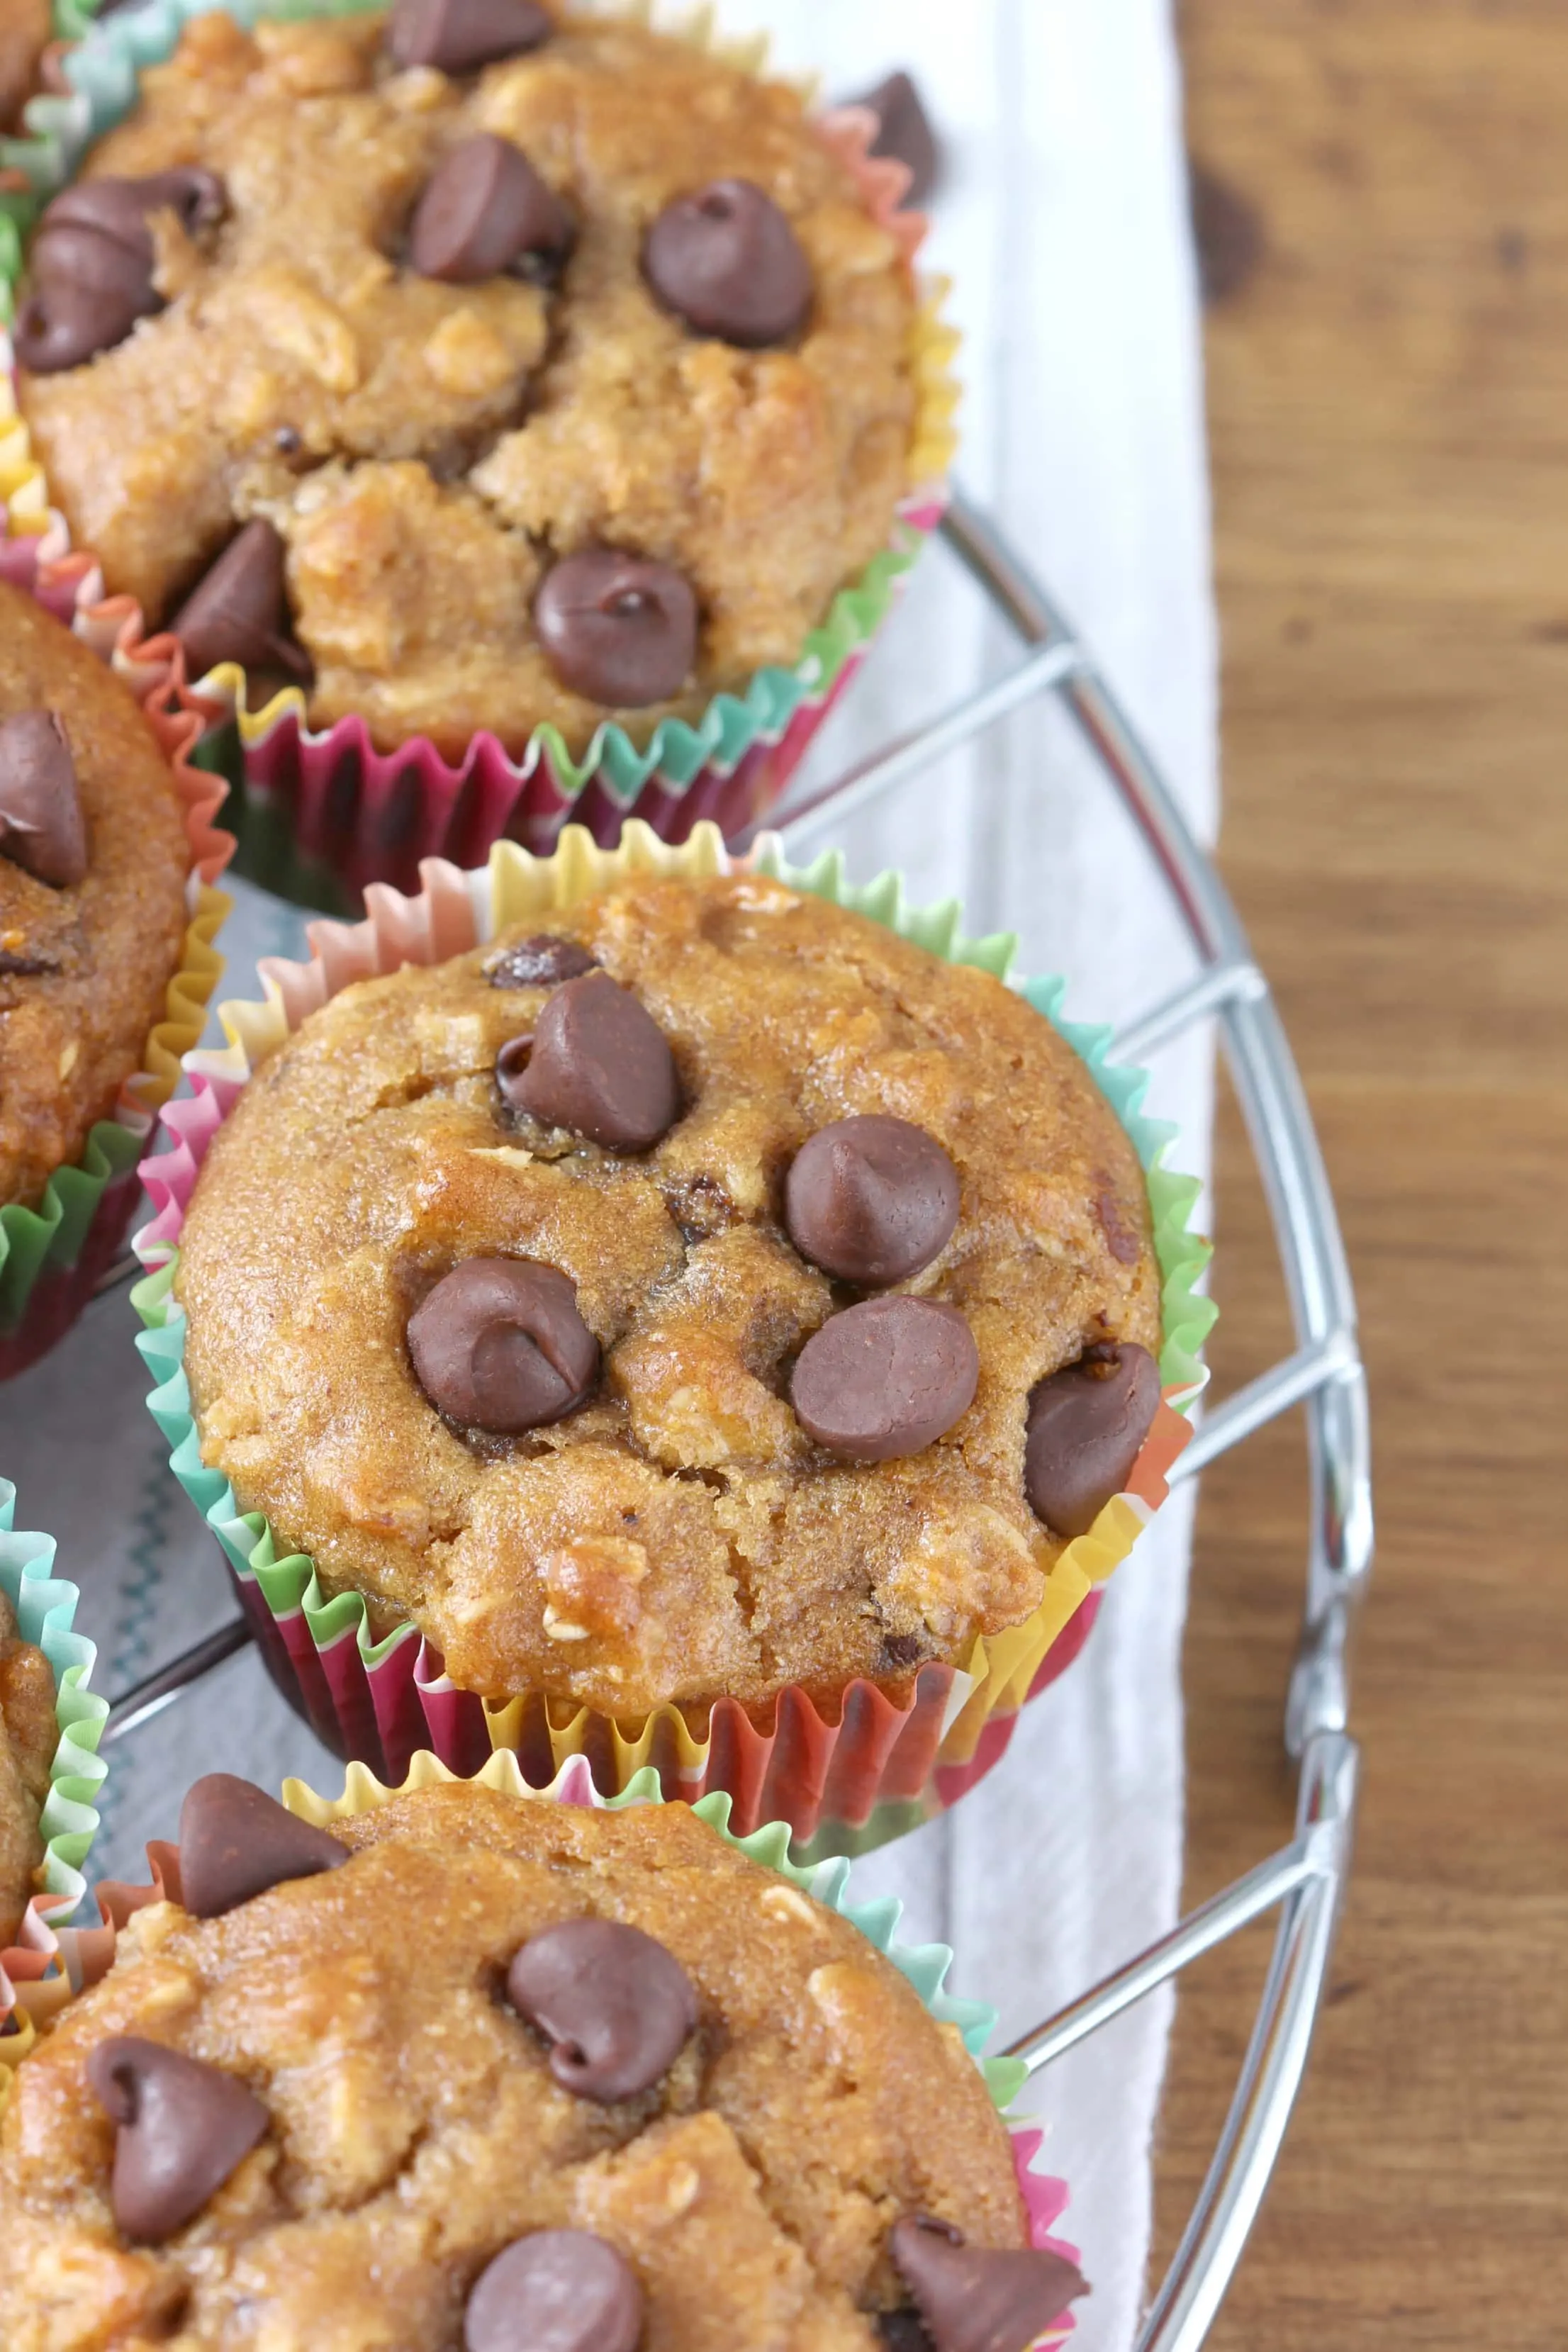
{"x": 1085, "y": 1428}
{"x": 24, "y": 967}
{"x": 885, "y": 1378}
{"x": 483, "y": 207}
{"x": 616, "y": 2006}
{"x": 122, "y": 210}
{"x": 235, "y": 1842}
{"x": 543, "y": 961}
{"x": 904, "y": 134}
{"x": 726, "y": 260}
{"x": 599, "y": 1066}
{"x": 238, "y": 612}
{"x": 871, "y": 1200}
{"x": 85, "y": 294}
{"x": 42, "y": 828}
{"x": 498, "y": 1344}
{"x": 903, "y": 1649}
{"x": 619, "y": 629}
{"x": 558, "y": 2291}
{"x": 90, "y": 263}
{"x": 287, "y": 440}
{"x": 980, "y": 2298}
{"x": 457, "y": 36}
{"x": 183, "y": 2126}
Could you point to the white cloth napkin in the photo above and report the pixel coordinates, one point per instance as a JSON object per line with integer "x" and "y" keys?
{"x": 1062, "y": 221}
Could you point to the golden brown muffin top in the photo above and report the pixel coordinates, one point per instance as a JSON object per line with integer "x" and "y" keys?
{"x": 28, "y": 1737}
{"x": 83, "y": 967}
{"x": 426, "y": 449}
{"x": 412, "y": 2124}
{"x": 679, "y": 1534}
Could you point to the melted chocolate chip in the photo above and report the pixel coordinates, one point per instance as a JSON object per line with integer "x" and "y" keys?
{"x": 1227, "y": 231}
{"x": 902, "y": 1649}
{"x": 238, "y": 612}
{"x": 182, "y": 2128}
{"x": 498, "y": 1344}
{"x": 599, "y": 1064}
{"x": 618, "y": 629}
{"x": 557, "y": 2291}
{"x": 543, "y": 961}
{"x": 24, "y": 967}
{"x": 727, "y": 262}
{"x": 615, "y": 2006}
{"x": 980, "y": 2298}
{"x": 871, "y": 1200}
{"x": 885, "y": 1378}
{"x": 1085, "y": 1428}
{"x": 459, "y": 36}
{"x": 235, "y": 1842}
{"x": 92, "y": 261}
{"x": 42, "y": 828}
{"x": 485, "y": 207}
{"x": 904, "y": 134}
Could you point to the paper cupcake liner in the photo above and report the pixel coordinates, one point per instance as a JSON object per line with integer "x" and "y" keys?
{"x": 44, "y": 1605}
{"x": 81, "y": 1957}
{"x": 322, "y": 814}
{"x": 854, "y": 1774}
{"x": 52, "y": 1256}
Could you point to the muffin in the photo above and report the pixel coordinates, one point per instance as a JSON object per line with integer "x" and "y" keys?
{"x": 477, "y": 367}
{"x": 28, "y": 1737}
{"x": 94, "y": 859}
{"x": 23, "y": 28}
{"x": 713, "y": 1295}
{"x": 468, "y": 2068}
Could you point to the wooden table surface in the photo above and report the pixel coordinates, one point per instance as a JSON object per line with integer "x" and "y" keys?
{"x": 1388, "y": 397}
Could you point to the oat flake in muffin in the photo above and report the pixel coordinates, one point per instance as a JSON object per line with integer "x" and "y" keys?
{"x": 594, "y": 1413}
{"x": 499, "y": 2019}
{"x": 448, "y": 342}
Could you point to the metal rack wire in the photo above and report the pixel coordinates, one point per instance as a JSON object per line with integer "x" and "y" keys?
{"x": 1305, "y": 1879}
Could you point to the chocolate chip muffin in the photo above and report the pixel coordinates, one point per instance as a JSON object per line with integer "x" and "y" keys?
{"x": 93, "y": 864}
{"x": 487, "y": 364}
{"x": 473, "y": 2070}
{"x": 715, "y": 1294}
{"x": 28, "y": 1737}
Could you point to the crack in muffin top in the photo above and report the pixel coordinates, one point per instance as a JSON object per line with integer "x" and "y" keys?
{"x": 679, "y": 1534}
{"x": 412, "y": 2124}
{"x": 428, "y": 448}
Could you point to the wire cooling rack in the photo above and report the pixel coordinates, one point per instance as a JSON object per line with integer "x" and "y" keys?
{"x": 1305, "y": 1879}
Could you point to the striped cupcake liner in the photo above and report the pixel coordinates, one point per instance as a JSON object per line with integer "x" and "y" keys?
{"x": 844, "y": 1777}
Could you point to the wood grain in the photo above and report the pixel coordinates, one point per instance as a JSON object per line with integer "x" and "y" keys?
{"x": 1389, "y": 422}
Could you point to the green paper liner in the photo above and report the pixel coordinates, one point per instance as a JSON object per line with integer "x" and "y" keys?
{"x": 871, "y": 1770}
{"x": 45, "y": 1607}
